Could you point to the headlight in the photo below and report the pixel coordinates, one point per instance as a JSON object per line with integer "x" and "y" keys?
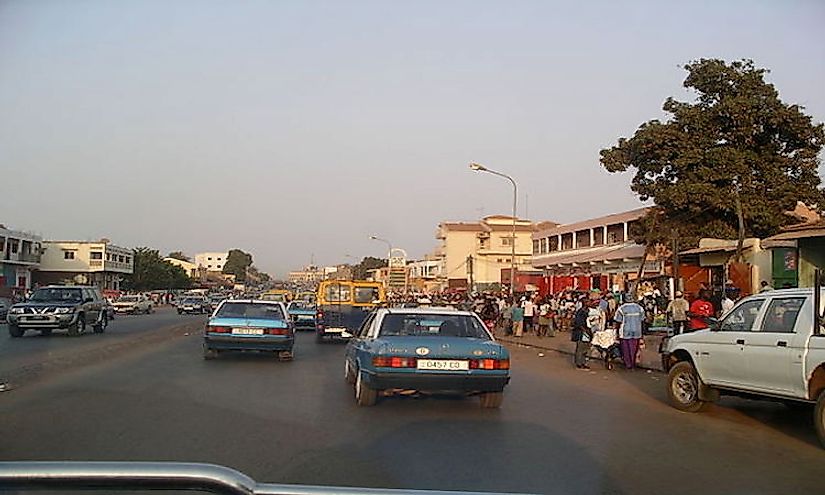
{"x": 17, "y": 311}
{"x": 63, "y": 311}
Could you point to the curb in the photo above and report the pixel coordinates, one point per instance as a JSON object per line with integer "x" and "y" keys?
{"x": 510, "y": 340}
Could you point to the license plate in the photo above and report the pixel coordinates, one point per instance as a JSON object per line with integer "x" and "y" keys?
{"x": 38, "y": 318}
{"x": 443, "y": 364}
{"x": 304, "y": 317}
{"x": 247, "y": 331}
{"x": 334, "y": 330}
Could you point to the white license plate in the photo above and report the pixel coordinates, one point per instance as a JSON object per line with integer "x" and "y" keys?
{"x": 247, "y": 331}
{"x": 304, "y": 317}
{"x": 334, "y": 330}
{"x": 443, "y": 364}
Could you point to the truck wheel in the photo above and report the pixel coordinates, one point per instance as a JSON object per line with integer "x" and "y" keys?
{"x": 683, "y": 388}
{"x": 102, "y": 324}
{"x": 78, "y": 326}
{"x": 15, "y": 331}
{"x": 364, "y": 395}
{"x": 491, "y": 400}
{"x": 209, "y": 354}
{"x": 819, "y": 418}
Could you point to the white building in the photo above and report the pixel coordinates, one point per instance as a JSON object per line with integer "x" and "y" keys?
{"x": 213, "y": 262}
{"x": 19, "y": 256}
{"x": 190, "y": 268}
{"x": 97, "y": 263}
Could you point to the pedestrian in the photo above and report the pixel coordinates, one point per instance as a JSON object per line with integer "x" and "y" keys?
{"x": 629, "y": 319}
{"x": 677, "y": 311}
{"x": 581, "y": 335}
{"x": 544, "y": 318}
{"x": 517, "y": 315}
{"x": 529, "y": 312}
{"x": 727, "y": 304}
{"x": 700, "y": 310}
{"x": 765, "y": 286}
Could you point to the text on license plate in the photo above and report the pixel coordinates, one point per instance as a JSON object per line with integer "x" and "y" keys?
{"x": 247, "y": 331}
{"x": 443, "y": 364}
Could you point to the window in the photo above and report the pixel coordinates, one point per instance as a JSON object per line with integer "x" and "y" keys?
{"x": 14, "y": 244}
{"x": 96, "y": 255}
{"x": 337, "y": 293}
{"x": 128, "y": 259}
{"x": 108, "y": 256}
{"x": 506, "y": 241}
{"x": 535, "y": 246}
{"x": 554, "y": 243}
{"x": 2, "y": 243}
{"x": 68, "y": 255}
{"x": 252, "y": 311}
{"x": 208, "y": 266}
{"x": 543, "y": 245}
{"x": 69, "y": 295}
{"x": 120, "y": 258}
{"x": 218, "y": 266}
{"x": 782, "y": 314}
{"x": 365, "y": 327}
{"x": 209, "y": 258}
{"x": 432, "y": 325}
{"x": 364, "y": 295}
{"x": 741, "y": 317}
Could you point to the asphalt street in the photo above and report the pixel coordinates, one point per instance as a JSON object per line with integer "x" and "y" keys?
{"x": 559, "y": 431}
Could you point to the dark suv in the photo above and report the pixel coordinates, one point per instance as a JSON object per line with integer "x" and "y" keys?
{"x": 70, "y": 307}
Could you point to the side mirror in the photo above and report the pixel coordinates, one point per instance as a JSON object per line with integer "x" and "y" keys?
{"x": 714, "y": 324}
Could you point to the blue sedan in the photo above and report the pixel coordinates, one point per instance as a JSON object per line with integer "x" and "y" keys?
{"x": 247, "y": 325}
{"x": 302, "y": 314}
{"x": 399, "y": 351}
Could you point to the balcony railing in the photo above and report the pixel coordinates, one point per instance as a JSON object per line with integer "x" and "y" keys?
{"x": 21, "y": 257}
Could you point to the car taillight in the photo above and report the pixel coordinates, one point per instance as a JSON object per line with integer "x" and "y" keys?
{"x": 276, "y": 331}
{"x": 216, "y": 329}
{"x": 319, "y": 315}
{"x": 394, "y": 362}
{"x": 489, "y": 364}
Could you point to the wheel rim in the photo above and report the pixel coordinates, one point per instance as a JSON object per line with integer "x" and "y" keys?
{"x": 685, "y": 387}
{"x": 358, "y": 387}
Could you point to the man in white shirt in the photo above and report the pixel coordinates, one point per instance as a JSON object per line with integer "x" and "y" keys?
{"x": 529, "y": 311}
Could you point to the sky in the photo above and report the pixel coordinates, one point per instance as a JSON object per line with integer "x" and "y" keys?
{"x": 295, "y": 130}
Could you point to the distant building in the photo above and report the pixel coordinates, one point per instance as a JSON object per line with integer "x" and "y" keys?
{"x": 309, "y": 275}
{"x": 483, "y": 248}
{"x": 213, "y": 262}
{"x": 190, "y": 268}
{"x": 97, "y": 263}
{"x": 20, "y": 254}
{"x": 424, "y": 275}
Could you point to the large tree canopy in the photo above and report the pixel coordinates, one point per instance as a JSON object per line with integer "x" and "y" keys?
{"x": 360, "y": 271}
{"x": 737, "y": 139}
{"x": 151, "y": 271}
{"x": 237, "y": 263}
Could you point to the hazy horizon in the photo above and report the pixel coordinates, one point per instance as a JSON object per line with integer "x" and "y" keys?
{"x": 293, "y": 130}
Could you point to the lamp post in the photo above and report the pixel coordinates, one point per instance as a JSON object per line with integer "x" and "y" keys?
{"x": 477, "y": 167}
{"x": 389, "y": 255}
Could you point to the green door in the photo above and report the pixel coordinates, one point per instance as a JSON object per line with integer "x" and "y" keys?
{"x": 785, "y": 263}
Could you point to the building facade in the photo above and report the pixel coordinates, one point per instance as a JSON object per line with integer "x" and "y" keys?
{"x": 20, "y": 254}
{"x": 190, "y": 268}
{"x": 97, "y": 263}
{"x": 592, "y": 254}
{"x": 479, "y": 251}
{"x": 213, "y": 262}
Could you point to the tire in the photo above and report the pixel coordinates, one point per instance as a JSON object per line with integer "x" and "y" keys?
{"x": 491, "y": 400}
{"x": 102, "y": 324}
{"x": 819, "y": 418}
{"x": 209, "y": 354}
{"x": 45, "y": 332}
{"x": 349, "y": 377}
{"x": 15, "y": 331}
{"x": 285, "y": 355}
{"x": 683, "y": 388}
{"x": 364, "y": 395}
{"x": 78, "y": 327}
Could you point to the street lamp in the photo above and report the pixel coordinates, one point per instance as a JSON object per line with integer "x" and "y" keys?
{"x": 389, "y": 246}
{"x": 477, "y": 167}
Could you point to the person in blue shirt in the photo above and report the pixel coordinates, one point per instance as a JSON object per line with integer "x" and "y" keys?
{"x": 629, "y": 319}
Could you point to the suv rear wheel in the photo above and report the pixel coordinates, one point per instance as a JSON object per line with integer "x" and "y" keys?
{"x": 819, "y": 418}
{"x": 683, "y": 388}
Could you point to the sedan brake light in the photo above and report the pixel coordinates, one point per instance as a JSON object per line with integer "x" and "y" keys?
{"x": 394, "y": 362}
{"x": 276, "y": 331}
{"x": 489, "y": 364}
{"x": 217, "y": 329}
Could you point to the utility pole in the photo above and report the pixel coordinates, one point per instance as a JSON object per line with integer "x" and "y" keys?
{"x": 676, "y": 269}
{"x": 470, "y": 271}
{"x": 741, "y": 218}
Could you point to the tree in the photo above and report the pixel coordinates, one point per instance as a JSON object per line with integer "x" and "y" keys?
{"x": 152, "y": 272}
{"x": 737, "y": 155}
{"x": 178, "y": 255}
{"x": 360, "y": 270}
{"x": 236, "y": 264}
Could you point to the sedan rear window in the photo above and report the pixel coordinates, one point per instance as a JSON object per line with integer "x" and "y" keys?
{"x": 251, "y": 311}
{"x": 432, "y": 325}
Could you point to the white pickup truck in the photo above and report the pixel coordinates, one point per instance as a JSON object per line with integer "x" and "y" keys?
{"x": 769, "y": 346}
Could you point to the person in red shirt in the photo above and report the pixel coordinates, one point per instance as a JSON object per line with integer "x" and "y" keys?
{"x": 700, "y": 310}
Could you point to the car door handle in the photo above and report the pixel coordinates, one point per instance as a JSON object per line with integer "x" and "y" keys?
{"x": 782, "y": 343}
{"x": 740, "y": 341}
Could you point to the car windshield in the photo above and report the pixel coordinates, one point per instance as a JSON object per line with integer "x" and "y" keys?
{"x": 57, "y": 295}
{"x": 251, "y": 311}
{"x": 432, "y": 325}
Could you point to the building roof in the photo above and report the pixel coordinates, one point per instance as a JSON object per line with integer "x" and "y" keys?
{"x": 588, "y": 255}
{"x": 800, "y": 231}
{"x": 627, "y": 216}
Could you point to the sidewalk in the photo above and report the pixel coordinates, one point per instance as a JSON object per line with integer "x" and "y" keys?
{"x": 651, "y": 358}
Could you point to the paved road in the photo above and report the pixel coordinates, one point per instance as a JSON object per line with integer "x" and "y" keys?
{"x": 33, "y": 349}
{"x": 559, "y": 431}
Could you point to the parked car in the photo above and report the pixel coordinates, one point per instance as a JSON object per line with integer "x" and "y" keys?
{"x": 194, "y": 305}
{"x": 249, "y": 325}
{"x": 59, "y": 307}
{"x": 770, "y": 345}
{"x": 134, "y": 305}
{"x": 426, "y": 350}
{"x": 302, "y": 315}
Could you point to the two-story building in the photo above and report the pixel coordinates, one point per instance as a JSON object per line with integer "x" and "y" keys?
{"x": 213, "y": 261}
{"x": 99, "y": 263}
{"x": 597, "y": 253}
{"x": 19, "y": 257}
{"x": 483, "y": 250}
